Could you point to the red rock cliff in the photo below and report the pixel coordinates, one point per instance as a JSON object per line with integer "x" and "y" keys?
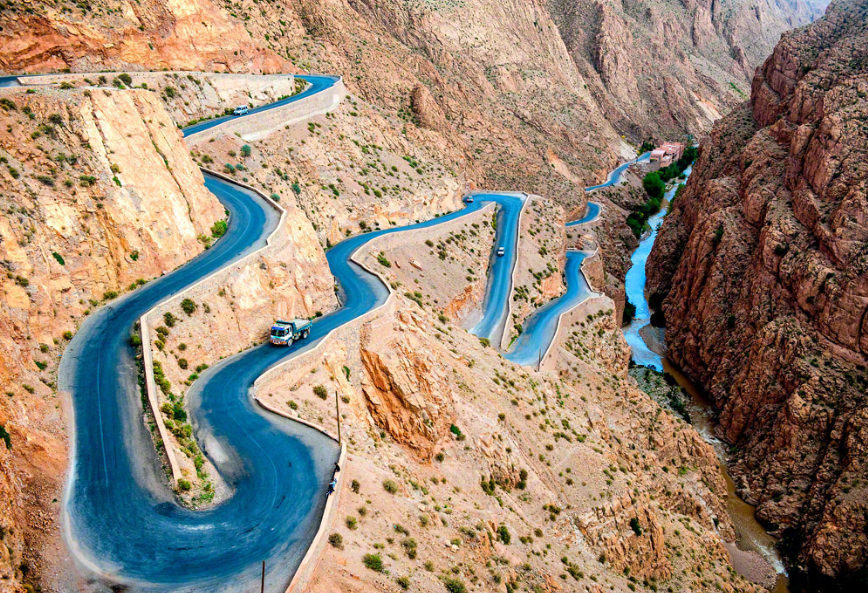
{"x": 761, "y": 267}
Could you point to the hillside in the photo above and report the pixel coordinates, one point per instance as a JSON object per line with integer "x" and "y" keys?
{"x": 550, "y": 84}
{"x": 762, "y": 270}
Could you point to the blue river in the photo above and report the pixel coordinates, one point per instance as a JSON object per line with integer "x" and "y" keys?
{"x": 634, "y": 286}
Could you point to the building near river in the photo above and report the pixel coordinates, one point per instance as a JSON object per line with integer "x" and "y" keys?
{"x": 666, "y": 154}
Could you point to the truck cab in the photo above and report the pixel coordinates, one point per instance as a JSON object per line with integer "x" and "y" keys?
{"x": 284, "y": 333}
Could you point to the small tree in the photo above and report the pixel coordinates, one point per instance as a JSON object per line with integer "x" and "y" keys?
{"x": 653, "y": 185}
{"x": 245, "y": 150}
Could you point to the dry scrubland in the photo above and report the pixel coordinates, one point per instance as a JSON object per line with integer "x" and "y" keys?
{"x": 538, "y": 479}
{"x": 468, "y": 472}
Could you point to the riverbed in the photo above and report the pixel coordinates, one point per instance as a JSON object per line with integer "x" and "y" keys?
{"x": 754, "y": 553}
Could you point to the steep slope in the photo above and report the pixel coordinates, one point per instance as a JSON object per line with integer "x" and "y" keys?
{"x": 531, "y": 95}
{"x": 102, "y": 35}
{"x": 668, "y": 68}
{"x": 762, "y": 268}
{"x": 98, "y": 195}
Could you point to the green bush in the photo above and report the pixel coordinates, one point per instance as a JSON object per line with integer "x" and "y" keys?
{"x": 58, "y": 257}
{"x": 390, "y": 486}
{"x": 336, "y": 540}
{"x": 629, "y": 312}
{"x": 373, "y": 561}
{"x": 218, "y": 229}
{"x": 245, "y": 150}
{"x": 503, "y": 534}
{"x": 381, "y": 257}
{"x": 179, "y": 412}
{"x": 454, "y": 585}
{"x": 653, "y": 185}
{"x": 320, "y": 391}
{"x": 184, "y": 485}
{"x": 188, "y": 306}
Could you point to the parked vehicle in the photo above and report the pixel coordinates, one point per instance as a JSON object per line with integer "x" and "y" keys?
{"x": 468, "y": 199}
{"x": 501, "y": 251}
{"x": 241, "y": 110}
{"x": 284, "y": 333}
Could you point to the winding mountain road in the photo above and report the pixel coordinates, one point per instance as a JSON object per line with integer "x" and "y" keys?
{"x": 119, "y": 519}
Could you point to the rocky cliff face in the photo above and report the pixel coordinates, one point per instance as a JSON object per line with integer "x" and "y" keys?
{"x": 667, "y": 68}
{"x": 98, "y": 194}
{"x": 157, "y": 35}
{"x": 520, "y": 90}
{"x": 762, "y": 266}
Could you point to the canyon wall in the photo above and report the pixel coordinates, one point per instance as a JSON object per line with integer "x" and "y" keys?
{"x": 529, "y": 95}
{"x": 98, "y": 195}
{"x": 762, "y": 268}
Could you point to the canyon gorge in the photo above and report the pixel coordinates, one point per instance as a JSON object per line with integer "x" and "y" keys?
{"x": 462, "y": 470}
{"x": 760, "y": 271}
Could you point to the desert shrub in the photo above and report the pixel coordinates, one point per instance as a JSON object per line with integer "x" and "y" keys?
{"x": 320, "y": 391}
{"x": 218, "y": 229}
{"x": 390, "y": 486}
{"x": 188, "y": 306}
{"x": 503, "y": 534}
{"x": 373, "y": 561}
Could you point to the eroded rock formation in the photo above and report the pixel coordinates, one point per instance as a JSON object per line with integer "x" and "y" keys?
{"x": 762, "y": 267}
{"x": 408, "y": 392}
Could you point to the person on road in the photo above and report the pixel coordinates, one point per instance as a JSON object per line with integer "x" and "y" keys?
{"x": 332, "y": 485}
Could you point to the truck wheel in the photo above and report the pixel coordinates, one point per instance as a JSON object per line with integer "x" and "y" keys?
{"x": 305, "y": 334}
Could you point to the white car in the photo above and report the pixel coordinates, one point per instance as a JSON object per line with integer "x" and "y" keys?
{"x": 241, "y": 110}
{"x": 501, "y": 251}
{"x": 468, "y": 199}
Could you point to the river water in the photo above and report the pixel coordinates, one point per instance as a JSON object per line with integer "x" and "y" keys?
{"x": 751, "y": 536}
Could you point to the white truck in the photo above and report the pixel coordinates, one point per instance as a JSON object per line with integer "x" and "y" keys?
{"x": 284, "y": 333}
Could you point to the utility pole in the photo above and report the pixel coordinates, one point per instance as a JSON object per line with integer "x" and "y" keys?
{"x": 338, "y": 412}
{"x": 262, "y": 586}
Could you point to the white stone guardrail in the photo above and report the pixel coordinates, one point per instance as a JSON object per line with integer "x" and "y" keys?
{"x": 145, "y": 329}
{"x": 558, "y": 335}
{"x": 262, "y": 123}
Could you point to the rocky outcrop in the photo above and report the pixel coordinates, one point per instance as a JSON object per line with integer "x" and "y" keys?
{"x": 98, "y": 195}
{"x": 151, "y": 34}
{"x": 670, "y": 68}
{"x": 762, "y": 270}
{"x": 408, "y": 391}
